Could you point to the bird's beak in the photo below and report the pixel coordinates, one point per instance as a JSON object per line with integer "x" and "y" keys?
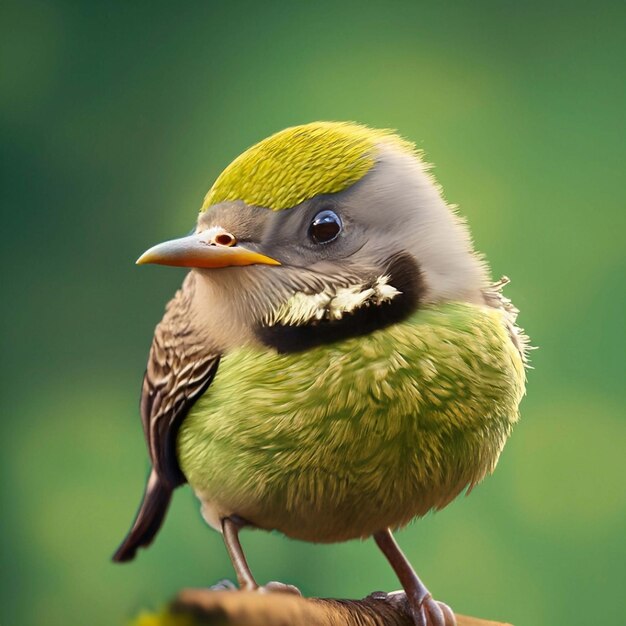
{"x": 212, "y": 248}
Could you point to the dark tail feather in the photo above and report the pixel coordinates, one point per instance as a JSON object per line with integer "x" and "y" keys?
{"x": 150, "y": 516}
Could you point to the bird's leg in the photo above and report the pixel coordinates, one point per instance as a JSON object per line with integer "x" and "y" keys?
{"x": 425, "y": 610}
{"x": 230, "y": 530}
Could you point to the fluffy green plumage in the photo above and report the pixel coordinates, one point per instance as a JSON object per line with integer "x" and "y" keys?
{"x": 300, "y": 162}
{"x": 345, "y": 439}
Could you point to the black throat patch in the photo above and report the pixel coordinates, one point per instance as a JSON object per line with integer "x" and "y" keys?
{"x": 404, "y": 275}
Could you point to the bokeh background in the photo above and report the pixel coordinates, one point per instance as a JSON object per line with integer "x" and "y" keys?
{"x": 114, "y": 121}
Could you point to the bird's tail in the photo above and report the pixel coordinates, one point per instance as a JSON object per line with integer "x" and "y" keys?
{"x": 156, "y": 500}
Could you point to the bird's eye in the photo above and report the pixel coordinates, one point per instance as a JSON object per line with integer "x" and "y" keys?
{"x": 325, "y": 227}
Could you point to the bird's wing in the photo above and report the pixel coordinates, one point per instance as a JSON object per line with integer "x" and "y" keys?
{"x": 181, "y": 366}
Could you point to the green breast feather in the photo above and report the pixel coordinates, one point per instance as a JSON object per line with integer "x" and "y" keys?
{"x": 345, "y": 439}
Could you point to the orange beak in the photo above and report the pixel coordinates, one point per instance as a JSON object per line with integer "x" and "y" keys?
{"x": 212, "y": 248}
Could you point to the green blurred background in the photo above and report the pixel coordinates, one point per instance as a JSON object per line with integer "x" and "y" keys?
{"x": 115, "y": 120}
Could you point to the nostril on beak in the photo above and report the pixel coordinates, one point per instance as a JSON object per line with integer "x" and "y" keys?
{"x": 225, "y": 239}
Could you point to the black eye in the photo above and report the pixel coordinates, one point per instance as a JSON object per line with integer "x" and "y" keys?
{"x": 325, "y": 227}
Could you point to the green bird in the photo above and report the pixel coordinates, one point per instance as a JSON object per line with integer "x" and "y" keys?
{"x": 337, "y": 361}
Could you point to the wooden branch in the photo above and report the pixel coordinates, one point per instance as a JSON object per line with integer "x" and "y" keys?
{"x": 239, "y": 608}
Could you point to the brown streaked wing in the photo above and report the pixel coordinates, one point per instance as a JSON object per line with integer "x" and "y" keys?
{"x": 180, "y": 369}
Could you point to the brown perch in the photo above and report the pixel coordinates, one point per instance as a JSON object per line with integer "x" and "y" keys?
{"x": 244, "y": 608}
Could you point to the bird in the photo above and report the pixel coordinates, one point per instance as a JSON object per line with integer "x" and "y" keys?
{"x": 337, "y": 362}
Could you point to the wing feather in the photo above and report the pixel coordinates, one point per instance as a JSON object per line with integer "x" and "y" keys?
{"x": 181, "y": 366}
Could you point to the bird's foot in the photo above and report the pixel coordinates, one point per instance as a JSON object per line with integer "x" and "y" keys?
{"x": 271, "y": 587}
{"x": 428, "y": 612}
{"x": 223, "y": 585}
{"x": 424, "y": 610}
{"x": 276, "y": 587}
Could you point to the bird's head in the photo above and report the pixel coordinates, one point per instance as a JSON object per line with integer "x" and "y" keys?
{"x": 320, "y": 232}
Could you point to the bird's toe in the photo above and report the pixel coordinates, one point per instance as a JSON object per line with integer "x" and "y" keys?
{"x": 223, "y": 585}
{"x": 432, "y": 613}
{"x": 276, "y": 587}
{"x": 450, "y": 619}
{"x": 419, "y": 616}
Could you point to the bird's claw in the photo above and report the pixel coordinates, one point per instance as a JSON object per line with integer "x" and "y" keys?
{"x": 429, "y": 612}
